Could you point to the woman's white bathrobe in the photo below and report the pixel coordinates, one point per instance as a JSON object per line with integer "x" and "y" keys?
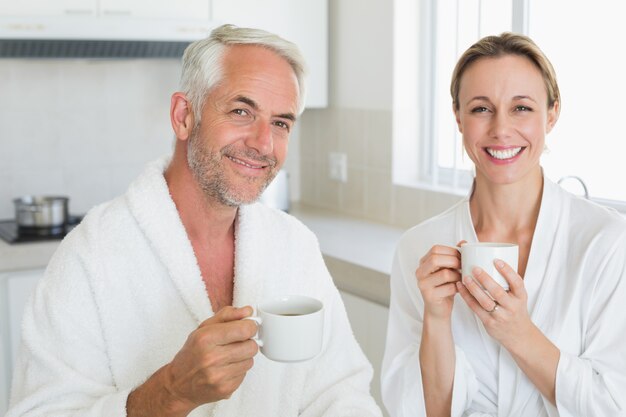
{"x": 576, "y": 284}
{"x": 124, "y": 291}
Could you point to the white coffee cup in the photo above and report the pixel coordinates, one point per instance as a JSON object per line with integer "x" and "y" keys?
{"x": 291, "y": 328}
{"x": 483, "y": 254}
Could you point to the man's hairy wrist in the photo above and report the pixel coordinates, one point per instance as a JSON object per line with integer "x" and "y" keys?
{"x": 155, "y": 398}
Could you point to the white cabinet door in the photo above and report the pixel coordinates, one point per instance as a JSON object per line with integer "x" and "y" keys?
{"x": 15, "y": 289}
{"x": 157, "y": 9}
{"x": 163, "y": 9}
{"x": 369, "y": 324}
{"x": 303, "y": 22}
{"x": 20, "y": 285}
{"x": 48, "y": 8}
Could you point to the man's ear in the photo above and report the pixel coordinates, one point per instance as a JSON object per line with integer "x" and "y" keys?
{"x": 181, "y": 116}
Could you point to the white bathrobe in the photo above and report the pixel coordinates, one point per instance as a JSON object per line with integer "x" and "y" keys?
{"x": 576, "y": 284}
{"x": 124, "y": 291}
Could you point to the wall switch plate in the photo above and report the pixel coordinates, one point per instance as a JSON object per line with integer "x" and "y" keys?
{"x": 338, "y": 166}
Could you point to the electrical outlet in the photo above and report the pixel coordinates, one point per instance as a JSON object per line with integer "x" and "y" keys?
{"x": 338, "y": 166}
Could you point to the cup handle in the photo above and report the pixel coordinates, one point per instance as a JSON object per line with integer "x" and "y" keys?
{"x": 258, "y": 322}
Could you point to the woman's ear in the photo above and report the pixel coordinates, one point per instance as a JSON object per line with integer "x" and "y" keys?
{"x": 181, "y": 116}
{"x": 457, "y": 117}
{"x": 553, "y": 116}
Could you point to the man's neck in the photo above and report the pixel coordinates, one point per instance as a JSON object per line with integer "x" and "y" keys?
{"x": 204, "y": 220}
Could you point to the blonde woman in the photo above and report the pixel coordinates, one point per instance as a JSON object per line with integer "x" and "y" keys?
{"x": 554, "y": 345}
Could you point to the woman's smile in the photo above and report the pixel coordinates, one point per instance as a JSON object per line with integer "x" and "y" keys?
{"x": 500, "y": 155}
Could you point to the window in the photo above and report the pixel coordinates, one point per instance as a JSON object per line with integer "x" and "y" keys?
{"x": 587, "y": 141}
{"x": 586, "y": 50}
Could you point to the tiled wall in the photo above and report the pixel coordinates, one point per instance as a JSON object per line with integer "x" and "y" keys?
{"x": 365, "y": 135}
{"x": 82, "y": 128}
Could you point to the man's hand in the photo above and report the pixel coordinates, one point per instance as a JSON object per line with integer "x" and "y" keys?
{"x": 210, "y": 367}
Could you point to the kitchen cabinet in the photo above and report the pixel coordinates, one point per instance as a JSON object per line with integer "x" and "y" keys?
{"x": 369, "y": 324}
{"x": 303, "y": 22}
{"x": 159, "y": 9}
{"x": 48, "y": 8}
{"x": 15, "y": 289}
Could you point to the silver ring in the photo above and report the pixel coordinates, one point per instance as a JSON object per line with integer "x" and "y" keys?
{"x": 494, "y": 309}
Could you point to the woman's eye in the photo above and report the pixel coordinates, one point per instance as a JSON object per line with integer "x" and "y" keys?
{"x": 479, "y": 109}
{"x": 522, "y": 108}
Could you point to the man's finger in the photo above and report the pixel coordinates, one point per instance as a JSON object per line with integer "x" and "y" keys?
{"x": 228, "y": 313}
{"x": 219, "y": 334}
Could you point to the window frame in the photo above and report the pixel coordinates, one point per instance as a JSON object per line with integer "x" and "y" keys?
{"x": 430, "y": 175}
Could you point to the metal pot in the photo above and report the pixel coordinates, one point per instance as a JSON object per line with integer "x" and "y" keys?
{"x": 41, "y": 211}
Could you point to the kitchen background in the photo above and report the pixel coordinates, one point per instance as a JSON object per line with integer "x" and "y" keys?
{"x": 85, "y": 128}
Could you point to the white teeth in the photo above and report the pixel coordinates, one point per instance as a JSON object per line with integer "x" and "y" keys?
{"x": 504, "y": 154}
{"x": 240, "y": 162}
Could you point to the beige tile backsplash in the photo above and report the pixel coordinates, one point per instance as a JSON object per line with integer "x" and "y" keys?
{"x": 366, "y": 137}
{"x": 82, "y": 128}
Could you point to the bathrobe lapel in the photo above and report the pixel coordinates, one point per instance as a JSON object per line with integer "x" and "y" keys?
{"x": 252, "y": 260}
{"x": 545, "y": 259}
{"x": 153, "y": 208}
{"x": 156, "y": 214}
{"x": 540, "y": 281}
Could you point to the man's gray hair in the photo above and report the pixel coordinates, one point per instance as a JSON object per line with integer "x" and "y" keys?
{"x": 202, "y": 61}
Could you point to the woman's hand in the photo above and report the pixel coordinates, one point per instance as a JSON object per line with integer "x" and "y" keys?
{"x": 437, "y": 274}
{"x": 504, "y": 314}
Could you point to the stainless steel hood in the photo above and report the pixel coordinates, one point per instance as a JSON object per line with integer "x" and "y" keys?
{"x": 89, "y": 37}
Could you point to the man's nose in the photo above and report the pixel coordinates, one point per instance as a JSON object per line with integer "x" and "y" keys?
{"x": 261, "y": 138}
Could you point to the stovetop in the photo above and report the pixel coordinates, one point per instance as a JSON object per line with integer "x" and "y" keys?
{"x": 11, "y": 233}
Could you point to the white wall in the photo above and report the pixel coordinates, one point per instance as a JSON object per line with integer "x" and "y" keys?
{"x": 360, "y": 120}
{"x": 82, "y": 128}
{"x": 361, "y": 54}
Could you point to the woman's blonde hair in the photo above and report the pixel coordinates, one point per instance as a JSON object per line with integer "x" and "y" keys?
{"x": 506, "y": 44}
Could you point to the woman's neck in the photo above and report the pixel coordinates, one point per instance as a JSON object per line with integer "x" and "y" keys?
{"x": 506, "y": 212}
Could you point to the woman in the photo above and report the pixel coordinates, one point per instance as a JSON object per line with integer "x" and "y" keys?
{"x": 555, "y": 344}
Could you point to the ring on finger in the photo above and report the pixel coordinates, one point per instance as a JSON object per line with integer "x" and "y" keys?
{"x": 494, "y": 309}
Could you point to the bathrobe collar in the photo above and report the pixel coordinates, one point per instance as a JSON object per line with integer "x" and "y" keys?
{"x": 152, "y": 206}
{"x": 545, "y": 248}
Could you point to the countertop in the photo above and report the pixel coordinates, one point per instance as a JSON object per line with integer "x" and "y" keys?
{"x": 26, "y": 255}
{"x": 358, "y": 253}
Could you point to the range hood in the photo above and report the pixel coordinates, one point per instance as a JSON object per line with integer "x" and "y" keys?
{"x": 93, "y": 37}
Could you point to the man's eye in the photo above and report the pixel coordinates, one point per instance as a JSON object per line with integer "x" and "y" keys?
{"x": 282, "y": 125}
{"x": 240, "y": 112}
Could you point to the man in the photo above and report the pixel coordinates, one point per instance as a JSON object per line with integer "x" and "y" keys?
{"x": 124, "y": 323}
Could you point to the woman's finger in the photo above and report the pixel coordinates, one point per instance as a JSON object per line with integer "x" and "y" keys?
{"x": 516, "y": 283}
{"x": 441, "y": 277}
{"x": 433, "y": 262}
{"x": 474, "y": 288}
{"x": 472, "y": 303}
{"x": 494, "y": 290}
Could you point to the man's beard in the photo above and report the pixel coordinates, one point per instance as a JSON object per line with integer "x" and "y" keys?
{"x": 209, "y": 171}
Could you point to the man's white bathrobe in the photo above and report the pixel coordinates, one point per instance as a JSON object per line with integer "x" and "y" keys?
{"x": 576, "y": 284}
{"x": 124, "y": 291}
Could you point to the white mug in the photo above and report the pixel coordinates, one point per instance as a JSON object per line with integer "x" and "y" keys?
{"x": 291, "y": 328}
{"x": 483, "y": 254}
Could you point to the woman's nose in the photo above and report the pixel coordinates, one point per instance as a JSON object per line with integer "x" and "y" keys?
{"x": 500, "y": 126}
